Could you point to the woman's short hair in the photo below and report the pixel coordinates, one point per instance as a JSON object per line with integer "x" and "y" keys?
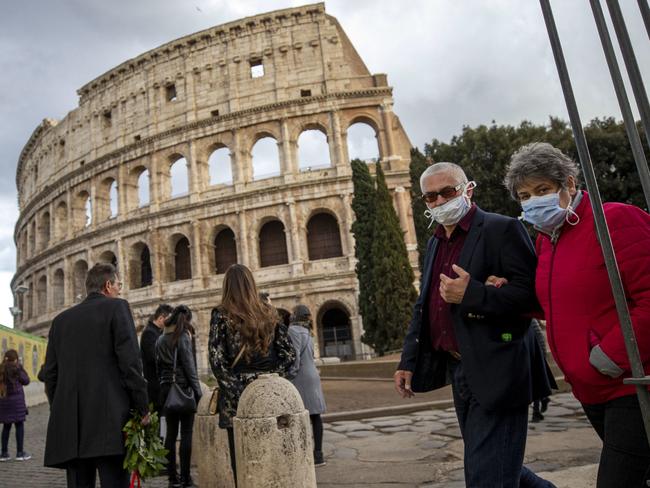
{"x": 539, "y": 161}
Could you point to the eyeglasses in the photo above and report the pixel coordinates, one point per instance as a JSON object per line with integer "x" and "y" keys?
{"x": 446, "y": 192}
{"x": 118, "y": 284}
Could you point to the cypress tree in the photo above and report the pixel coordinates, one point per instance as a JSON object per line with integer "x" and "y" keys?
{"x": 363, "y": 205}
{"x": 394, "y": 293}
{"x": 422, "y": 230}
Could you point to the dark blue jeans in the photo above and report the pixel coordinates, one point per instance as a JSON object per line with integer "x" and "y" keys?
{"x": 494, "y": 441}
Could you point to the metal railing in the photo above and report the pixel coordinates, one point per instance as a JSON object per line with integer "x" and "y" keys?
{"x": 639, "y": 379}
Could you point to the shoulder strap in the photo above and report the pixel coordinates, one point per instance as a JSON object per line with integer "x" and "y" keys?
{"x": 174, "y": 367}
{"x": 239, "y": 355}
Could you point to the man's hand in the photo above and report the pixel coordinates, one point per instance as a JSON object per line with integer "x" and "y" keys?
{"x": 403, "y": 383}
{"x": 452, "y": 290}
{"x": 146, "y": 419}
{"x": 495, "y": 281}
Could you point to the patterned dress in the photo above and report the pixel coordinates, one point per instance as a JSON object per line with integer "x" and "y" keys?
{"x": 224, "y": 346}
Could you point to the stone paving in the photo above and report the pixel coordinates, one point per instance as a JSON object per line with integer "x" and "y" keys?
{"x": 418, "y": 450}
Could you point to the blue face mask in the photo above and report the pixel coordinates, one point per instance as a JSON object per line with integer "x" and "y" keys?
{"x": 544, "y": 212}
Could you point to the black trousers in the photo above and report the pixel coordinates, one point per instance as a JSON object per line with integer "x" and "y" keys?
{"x": 317, "y": 429}
{"x": 186, "y": 423}
{"x": 20, "y": 436}
{"x": 625, "y": 458}
{"x": 81, "y": 473}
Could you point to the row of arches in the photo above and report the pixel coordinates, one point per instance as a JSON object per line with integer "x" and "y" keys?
{"x": 83, "y": 208}
{"x": 323, "y": 242}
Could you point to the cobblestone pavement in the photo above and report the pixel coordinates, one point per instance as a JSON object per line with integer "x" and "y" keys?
{"x": 418, "y": 450}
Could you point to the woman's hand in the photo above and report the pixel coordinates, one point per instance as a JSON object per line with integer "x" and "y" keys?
{"x": 495, "y": 281}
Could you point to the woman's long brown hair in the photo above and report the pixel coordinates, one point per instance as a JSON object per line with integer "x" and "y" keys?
{"x": 241, "y": 303}
{"x": 8, "y": 372}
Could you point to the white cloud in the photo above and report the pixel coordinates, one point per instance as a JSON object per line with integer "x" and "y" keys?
{"x": 6, "y": 298}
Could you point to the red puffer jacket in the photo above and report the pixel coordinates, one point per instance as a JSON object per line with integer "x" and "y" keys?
{"x": 574, "y": 292}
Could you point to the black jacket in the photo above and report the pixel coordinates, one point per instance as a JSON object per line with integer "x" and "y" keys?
{"x": 93, "y": 375}
{"x": 148, "y": 339}
{"x": 186, "y": 376}
{"x": 502, "y": 361}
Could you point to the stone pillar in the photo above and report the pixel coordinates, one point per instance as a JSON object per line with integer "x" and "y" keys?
{"x": 67, "y": 232}
{"x": 387, "y": 117}
{"x": 243, "y": 249}
{"x": 93, "y": 204}
{"x": 405, "y": 221}
{"x": 68, "y": 282}
{"x": 288, "y": 161}
{"x": 158, "y": 258}
{"x": 273, "y": 437}
{"x": 155, "y": 178}
{"x": 296, "y": 259}
{"x": 340, "y": 160}
{"x": 241, "y": 161}
{"x": 122, "y": 264}
{"x": 196, "y": 250}
{"x": 194, "y": 180}
{"x": 122, "y": 191}
{"x": 349, "y": 219}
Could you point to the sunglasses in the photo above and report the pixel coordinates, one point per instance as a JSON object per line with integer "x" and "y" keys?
{"x": 446, "y": 192}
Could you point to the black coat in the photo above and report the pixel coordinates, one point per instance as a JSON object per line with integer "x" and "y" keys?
{"x": 93, "y": 375}
{"x": 186, "y": 376}
{"x": 502, "y": 361}
{"x": 148, "y": 339}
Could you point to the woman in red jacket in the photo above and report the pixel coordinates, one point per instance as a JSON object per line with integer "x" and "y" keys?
{"x": 574, "y": 291}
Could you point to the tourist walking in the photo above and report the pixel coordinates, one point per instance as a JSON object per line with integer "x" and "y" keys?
{"x": 247, "y": 339}
{"x": 13, "y": 409}
{"x": 93, "y": 375}
{"x": 474, "y": 335}
{"x": 305, "y": 376}
{"x": 176, "y": 364}
{"x": 574, "y": 291}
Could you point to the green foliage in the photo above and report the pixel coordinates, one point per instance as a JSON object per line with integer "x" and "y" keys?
{"x": 422, "y": 230}
{"x": 363, "y": 205}
{"x": 145, "y": 453}
{"x": 394, "y": 290}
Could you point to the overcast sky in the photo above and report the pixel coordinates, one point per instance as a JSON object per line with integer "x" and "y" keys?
{"x": 451, "y": 63}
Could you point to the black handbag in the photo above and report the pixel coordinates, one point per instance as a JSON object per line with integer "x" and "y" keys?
{"x": 179, "y": 401}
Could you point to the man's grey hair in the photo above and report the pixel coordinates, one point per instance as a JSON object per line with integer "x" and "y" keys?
{"x": 539, "y": 161}
{"x": 98, "y": 275}
{"x": 451, "y": 168}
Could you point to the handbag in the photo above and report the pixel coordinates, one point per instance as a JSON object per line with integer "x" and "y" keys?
{"x": 214, "y": 399}
{"x": 179, "y": 401}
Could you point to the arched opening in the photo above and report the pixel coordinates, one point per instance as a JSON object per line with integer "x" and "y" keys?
{"x": 82, "y": 210}
{"x": 32, "y": 239}
{"x": 31, "y": 301}
{"x": 335, "y": 332}
{"x": 108, "y": 257}
{"x": 220, "y": 167}
{"x": 113, "y": 199}
{"x": 178, "y": 174}
{"x": 58, "y": 289}
{"x": 44, "y": 230}
{"x": 61, "y": 220}
{"x": 362, "y": 143}
{"x": 143, "y": 188}
{"x": 225, "y": 250}
{"x": 106, "y": 200}
{"x": 273, "y": 244}
{"x": 140, "y": 266}
{"x": 313, "y": 150}
{"x": 79, "y": 280}
{"x": 182, "y": 260}
{"x": 266, "y": 158}
{"x": 41, "y": 296}
{"x": 323, "y": 237}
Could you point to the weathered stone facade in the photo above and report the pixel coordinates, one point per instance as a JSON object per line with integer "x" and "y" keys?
{"x": 182, "y": 101}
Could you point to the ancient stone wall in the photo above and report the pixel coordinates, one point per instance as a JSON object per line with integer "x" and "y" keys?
{"x": 97, "y": 185}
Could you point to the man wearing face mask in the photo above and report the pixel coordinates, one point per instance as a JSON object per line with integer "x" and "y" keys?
{"x": 475, "y": 336}
{"x": 573, "y": 289}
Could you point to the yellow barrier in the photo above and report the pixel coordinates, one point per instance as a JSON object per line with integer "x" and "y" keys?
{"x": 31, "y": 348}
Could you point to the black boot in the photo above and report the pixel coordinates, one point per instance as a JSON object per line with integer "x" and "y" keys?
{"x": 174, "y": 482}
{"x": 188, "y": 482}
{"x": 319, "y": 460}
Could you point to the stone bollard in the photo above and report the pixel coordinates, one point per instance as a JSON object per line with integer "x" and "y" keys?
{"x": 210, "y": 450}
{"x": 273, "y": 437}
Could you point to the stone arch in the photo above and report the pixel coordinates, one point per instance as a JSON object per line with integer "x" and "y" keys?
{"x": 80, "y": 269}
{"x": 141, "y": 273}
{"x": 182, "y": 268}
{"x": 44, "y": 230}
{"x": 109, "y": 258}
{"x": 106, "y": 205}
{"x": 58, "y": 289}
{"x": 265, "y": 157}
{"x": 363, "y": 139}
{"x": 220, "y": 165}
{"x": 179, "y": 176}
{"x": 225, "y": 249}
{"x": 61, "y": 220}
{"x": 139, "y": 187}
{"x": 32, "y": 238}
{"x": 323, "y": 236}
{"x": 41, "y": 296}
{"x": 272, "y": 244}
{"x": 82, "y": 211}
{"x": 313, "y": 148}
{"x": 335, "y": 330}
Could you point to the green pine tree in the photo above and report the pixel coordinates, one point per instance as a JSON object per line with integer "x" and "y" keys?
{"x": 422, "y": 230}
{"x": 394, "y": 293}
{"x": 363, "y": 205}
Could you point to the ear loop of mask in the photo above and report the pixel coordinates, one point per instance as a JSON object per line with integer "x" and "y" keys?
{"x": 429, "y": 215}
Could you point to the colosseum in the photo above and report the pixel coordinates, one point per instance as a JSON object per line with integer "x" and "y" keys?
{"x": 228, "y": 145}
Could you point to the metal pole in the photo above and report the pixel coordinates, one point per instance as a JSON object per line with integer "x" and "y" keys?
{"x": 632, "y": 66}
{"x": 645, "y": 14}
{"x": 602, "y": 230}
{"x": 619, "y": 87}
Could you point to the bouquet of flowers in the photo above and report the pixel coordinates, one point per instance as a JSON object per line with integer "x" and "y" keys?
{"x": 145, "y": 453}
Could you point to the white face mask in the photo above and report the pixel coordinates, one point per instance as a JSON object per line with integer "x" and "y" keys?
{"x": 451, "y": 212}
